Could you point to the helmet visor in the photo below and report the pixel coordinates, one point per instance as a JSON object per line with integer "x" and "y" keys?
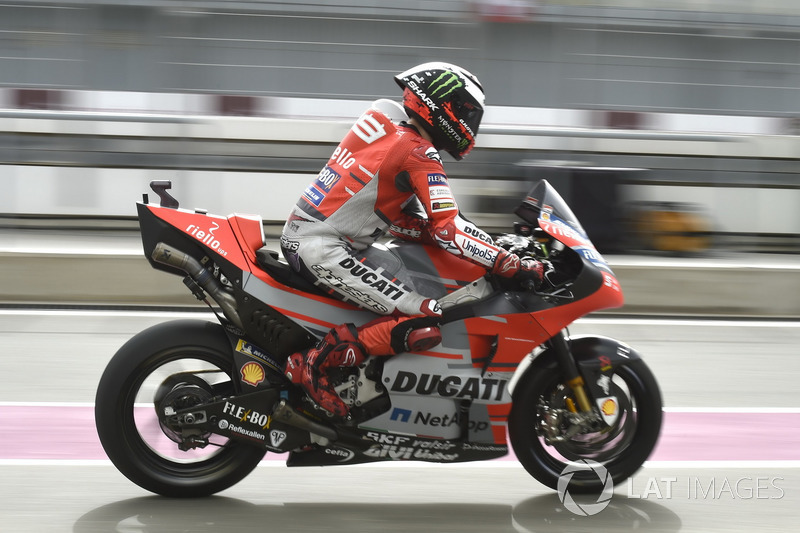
{"x": 470, "y": 113}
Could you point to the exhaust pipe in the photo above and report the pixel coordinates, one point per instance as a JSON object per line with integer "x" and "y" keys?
{"x": 286, "y": 414}
{"x": 167, "y": 255}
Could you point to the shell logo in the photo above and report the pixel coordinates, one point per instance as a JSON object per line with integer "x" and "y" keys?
{"x": 609, "y": 407}
{"x": 252, "y": 373}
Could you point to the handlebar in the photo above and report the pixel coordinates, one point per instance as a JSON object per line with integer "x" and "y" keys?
{"x": 557, "y": 276}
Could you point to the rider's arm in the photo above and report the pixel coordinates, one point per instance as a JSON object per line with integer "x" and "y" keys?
{"x": 449, "y": 229}
{"x": 412, "y": 224}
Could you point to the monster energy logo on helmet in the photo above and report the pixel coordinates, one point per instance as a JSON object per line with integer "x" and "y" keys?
{"x": 447, "y": 82}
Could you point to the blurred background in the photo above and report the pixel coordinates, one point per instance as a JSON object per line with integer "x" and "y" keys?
{"x": 671, "y": 125}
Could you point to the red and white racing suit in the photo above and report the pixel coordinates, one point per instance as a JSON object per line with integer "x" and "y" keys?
{"x": 379, "y": 167}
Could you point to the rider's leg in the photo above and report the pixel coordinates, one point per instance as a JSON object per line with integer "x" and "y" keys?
{"x": 411, "y": 323}
{"x": 340, "y": 347}
{"x": 393, "y": 335}
{"x": 347, "y": 346}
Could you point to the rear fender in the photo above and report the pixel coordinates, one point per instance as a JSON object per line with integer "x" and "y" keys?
{"x": 256, "y": 367}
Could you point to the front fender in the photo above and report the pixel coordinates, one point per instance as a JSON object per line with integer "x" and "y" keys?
{"x": 595, "y": 356}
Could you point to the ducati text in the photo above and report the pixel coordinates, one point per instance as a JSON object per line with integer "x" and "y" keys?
{"x": 450, "y": 386}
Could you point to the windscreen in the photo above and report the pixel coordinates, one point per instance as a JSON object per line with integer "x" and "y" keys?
{"x": 544, "y": 207}
{"x": 544, "y": 202}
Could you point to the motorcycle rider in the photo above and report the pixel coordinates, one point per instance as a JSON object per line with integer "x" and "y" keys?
{"x": 386, "y": 163}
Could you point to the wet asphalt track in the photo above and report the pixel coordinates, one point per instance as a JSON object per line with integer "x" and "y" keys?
{"x": 729, "y": 459}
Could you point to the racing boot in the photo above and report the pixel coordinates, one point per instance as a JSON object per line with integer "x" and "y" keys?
{"x": 340, "y": 347}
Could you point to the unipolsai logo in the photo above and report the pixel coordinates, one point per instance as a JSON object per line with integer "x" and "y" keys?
{"x": 583, "y": 508}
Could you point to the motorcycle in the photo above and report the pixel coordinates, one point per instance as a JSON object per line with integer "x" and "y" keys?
{"x": 188, "y": 408}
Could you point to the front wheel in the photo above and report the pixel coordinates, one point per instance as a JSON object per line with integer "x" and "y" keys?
{"x": 620, "y": 448}
{"x": 194, "y": 358}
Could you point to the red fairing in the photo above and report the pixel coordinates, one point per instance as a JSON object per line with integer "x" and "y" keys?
{"x": 454, "y": 271}
{"x": 250, "y": 233}
{"x": 514, "y": 335}
{"x": 608, "y": 295}
{"x": 214, "y": 232}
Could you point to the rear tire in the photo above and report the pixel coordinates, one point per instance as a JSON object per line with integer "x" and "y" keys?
{"x": 621, "y": 456}
{"x": 154, "y": 462}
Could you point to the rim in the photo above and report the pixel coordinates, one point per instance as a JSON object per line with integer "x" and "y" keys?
{"x": 600, "y": 446}
{"x": 153, "y": 436}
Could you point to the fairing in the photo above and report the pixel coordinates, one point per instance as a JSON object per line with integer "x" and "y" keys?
{"x": 460, "y": 385}
{"x": 596, "y": 287}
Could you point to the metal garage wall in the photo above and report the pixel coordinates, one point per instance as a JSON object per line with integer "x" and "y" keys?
{"x": 566, "y": 55}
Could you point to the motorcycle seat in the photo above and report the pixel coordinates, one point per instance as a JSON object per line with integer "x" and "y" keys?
{"x": 281, "y": 272}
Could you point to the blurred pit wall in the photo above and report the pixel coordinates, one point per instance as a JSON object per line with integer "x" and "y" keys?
{"x": 740, "y": 174}
{"x": 240, "y": 103}
{"x": 70, "y": 268}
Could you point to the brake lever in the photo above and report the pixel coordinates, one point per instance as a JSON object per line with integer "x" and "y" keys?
{"x": 530, "y": 285}
{"x": 568, "y": 296}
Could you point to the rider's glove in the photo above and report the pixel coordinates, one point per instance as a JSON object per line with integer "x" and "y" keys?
{"x": 531, "y": 270}
{"x": 506, "y": 264}
{"x": 509, "y": 265}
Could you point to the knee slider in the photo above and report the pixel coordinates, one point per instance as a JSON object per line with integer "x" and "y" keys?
{"x": 416, "y": 335}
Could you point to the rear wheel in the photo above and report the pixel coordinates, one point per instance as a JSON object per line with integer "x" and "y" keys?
{"x": 173, "y": 365}
{"x": 541, "y": 400}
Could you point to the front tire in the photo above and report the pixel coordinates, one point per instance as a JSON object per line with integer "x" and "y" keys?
{"x": 128, "y": 424}
{"x": 621, "y": 450}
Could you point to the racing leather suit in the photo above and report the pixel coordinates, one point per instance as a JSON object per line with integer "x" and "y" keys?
{"x": 380, "y": 167}
{"x": 377, "y": 170}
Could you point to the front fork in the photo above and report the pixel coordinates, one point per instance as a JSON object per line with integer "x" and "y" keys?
{"x": 580, "y": 416}
{"x": 573, "y": 378}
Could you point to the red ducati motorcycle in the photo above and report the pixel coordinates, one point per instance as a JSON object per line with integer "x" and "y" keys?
{"x": 188, "y": 408}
